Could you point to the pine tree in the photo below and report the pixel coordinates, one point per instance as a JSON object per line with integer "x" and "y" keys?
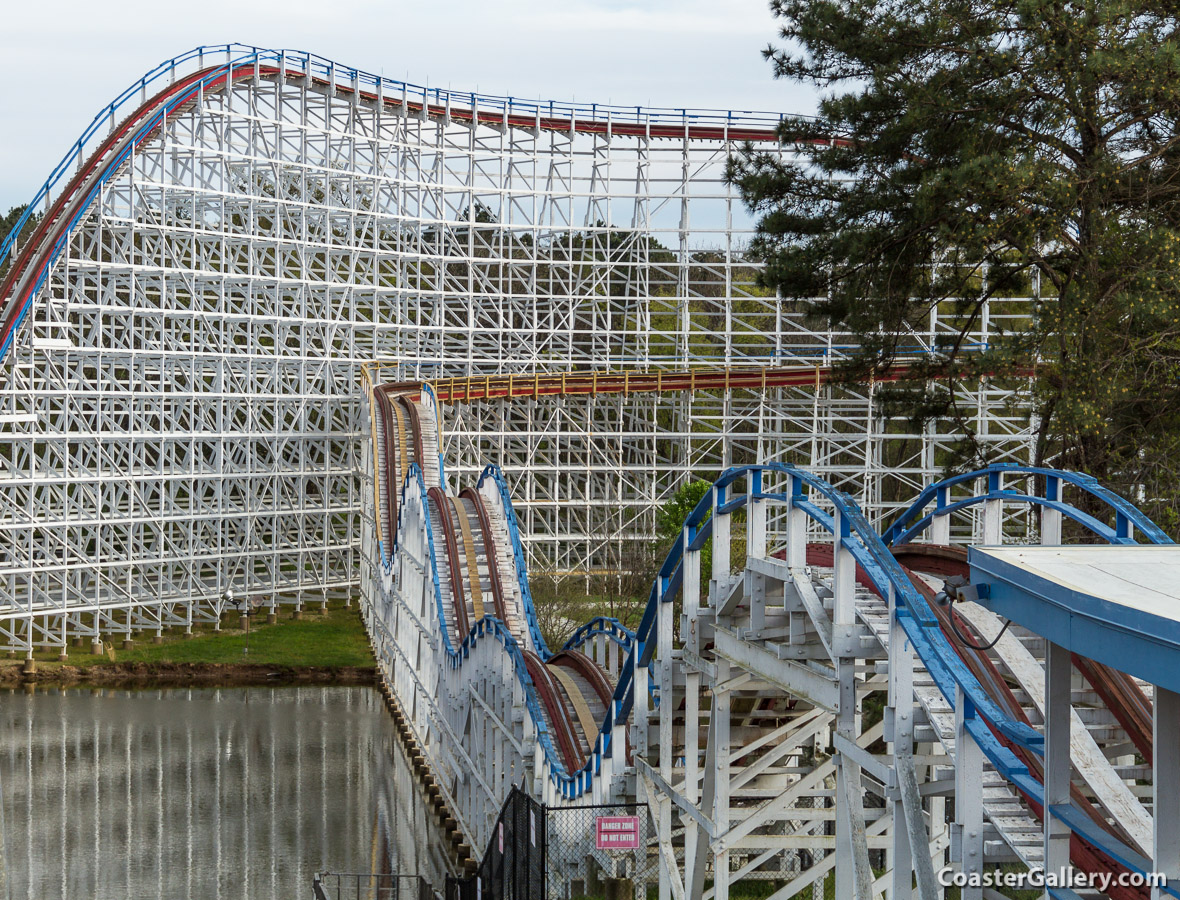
{"x": 970, "y": 149}
{"x": 7, "y": 224}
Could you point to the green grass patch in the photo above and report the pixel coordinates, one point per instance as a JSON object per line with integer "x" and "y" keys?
{"x": 333, "y": 638}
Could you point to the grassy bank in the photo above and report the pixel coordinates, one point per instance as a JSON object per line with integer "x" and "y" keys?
{"x": 331, "y": 639}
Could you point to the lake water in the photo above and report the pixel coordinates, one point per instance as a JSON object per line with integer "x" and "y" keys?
{"x": 205, "y": 793}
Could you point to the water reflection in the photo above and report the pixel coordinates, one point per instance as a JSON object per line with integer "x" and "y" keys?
{"x": 205, "y": 793}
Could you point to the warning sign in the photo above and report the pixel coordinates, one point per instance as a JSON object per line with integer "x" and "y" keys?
{"x": 616, "y": 832}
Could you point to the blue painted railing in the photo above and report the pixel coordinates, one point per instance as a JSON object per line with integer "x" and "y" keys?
{"x": 912, "y": 522}
{"x": 606, "y": 626}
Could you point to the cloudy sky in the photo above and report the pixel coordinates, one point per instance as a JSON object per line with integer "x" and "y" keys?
{"x": 62, "y": 60}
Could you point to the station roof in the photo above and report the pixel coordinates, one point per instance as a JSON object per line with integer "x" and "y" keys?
{"x": 1119, "y": 605}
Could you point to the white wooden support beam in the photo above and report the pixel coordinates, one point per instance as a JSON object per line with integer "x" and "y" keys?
{"x": 843, "y": 579}
{"x": 900, "y": 735}
{"x": 641, "y": 708}
{"x": 663, "y": 809}
{"x": 690, "y": 596}
{"x": 719, "y": 723}
{"x": 499, "y": 723}
{"x": 1058, "y": 676}
{"x": 801, "y": 680}
{"x": 755, "y": 594}
{"x": 1166, "y": 786}
{"x": 1051, "y": 518}
{"x": 692, "y": 700}
{"x": 755, "y": 518}
{"x": 993, "y": 513}
{"x": 940, "y": 526}
{"x": 854, "y": 877}
{"x": 657, "y": 803}
{"x": 664, "y": 669}
{"x": 721, "y": 533}
{"x": 968, "y": 795}
{"x": 695, "y": 868}
{"x": 796, "y": 527}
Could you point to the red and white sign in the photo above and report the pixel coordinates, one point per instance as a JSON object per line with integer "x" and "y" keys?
{"x": 616, "y": 833}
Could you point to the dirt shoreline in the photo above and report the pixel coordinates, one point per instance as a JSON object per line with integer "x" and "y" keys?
{"x": 182, "y": 675}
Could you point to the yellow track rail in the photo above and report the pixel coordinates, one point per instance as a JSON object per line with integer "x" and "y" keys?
{"x": 472, "y": 563}
{"x": 586, "y": 719}
{"x": 401, "y": 440}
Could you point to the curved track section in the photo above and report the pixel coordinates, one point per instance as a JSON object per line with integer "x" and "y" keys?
{"x": 1111, "y": 831}
{"x": 461, "y": 552}
{"x": 182, "y": 335}
{"x": 592, "y": 736}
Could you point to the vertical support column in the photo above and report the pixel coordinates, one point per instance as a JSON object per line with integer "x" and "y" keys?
{"x": 940, "y": 527}
{"x": 719, "y": 723}
{"x": 755, "y": 549}
{"x": 755, "y": 518}
{"x": 1058, "y": 675}
{"x": 720, "y": 538}
{"x": 641, "y": 709}
{"x": 1051, "y": 518}
{"x": 843, "y": 609}
{"x": 690, "y": 593}
{"x": 993, "y": 511}
{"x": 796, "y": 538}
{"x": 1165, "y": 731}
{"x": 667, "y": 707}
{"x": 690, "y": 638}
{"x": 843, "y": 582}
{"x": 968, "y": 795}
{"x": 845, "y": 850}
{"x": 682, "y": 279}
{"x": 901, "y": 706}
{"x": 692, "y": 831}
{"x": 854, "y": 878}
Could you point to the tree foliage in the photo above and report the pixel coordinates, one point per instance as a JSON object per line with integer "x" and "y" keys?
{"x": 670, "y": 519}
{"x": 675, "y": 510}
{"x": 8, "y": 223}
{"x": 974, "y": 149}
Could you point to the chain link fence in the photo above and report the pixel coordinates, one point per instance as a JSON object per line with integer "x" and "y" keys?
{"x": 513, "y": 866}
{"x": 603, "y": 852}
{"x": 589, "y": 852}
{"x": 609, "y": 852}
